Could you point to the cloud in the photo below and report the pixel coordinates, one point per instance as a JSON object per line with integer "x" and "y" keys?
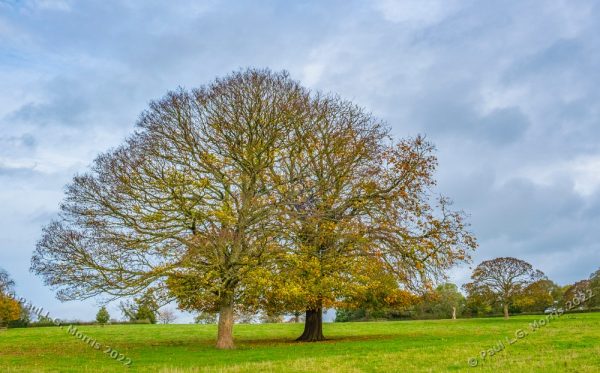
{"x": 66, "y": 105}
{"x": 11, "y": 144}
{"x": 456, "y": 119}
{"x": 14, "y": 172}
{"x": 420, "y": 12}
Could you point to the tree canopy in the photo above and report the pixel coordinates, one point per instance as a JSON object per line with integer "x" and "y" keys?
{"x": 102, "y": 317}
{"x": 501, "y": 280}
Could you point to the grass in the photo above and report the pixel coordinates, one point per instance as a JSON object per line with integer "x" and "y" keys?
{"x": 570, "y": 343}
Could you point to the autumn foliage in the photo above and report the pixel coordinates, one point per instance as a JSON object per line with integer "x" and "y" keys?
{"x": 10, "y": 309}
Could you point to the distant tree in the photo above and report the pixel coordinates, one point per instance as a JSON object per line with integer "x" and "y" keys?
{"x": 345, "y": 315}
{"x": 6, "y": 283}
{"x": 144, "y": 308}
{"x": 538, "y": 295}
{"x": 438, "y": 303}
{"x": 558, "y": 294}
{"x": 244, "y": 316}
{"x": 205, "y": 318}
{"x": 166, "y": 316}
{"x": 10, "y": 310}
{"x": 144, "y": 312}
{"x": 501, "y": 280}
{"x": 129, "y": 310}
{"x": 296, "y": 317}
{"x": 102, "y": 317}
{"x": 580, "y": 290}
{"x": 375, "y": 293}
{"x": 266, "y": 318}
{"x": 44, "y": 320}
{"x": 23, "y": 320}
{"x": 479, "y": 302}
{"x": 594, "y": 301}
{"x": 445, "y": 302}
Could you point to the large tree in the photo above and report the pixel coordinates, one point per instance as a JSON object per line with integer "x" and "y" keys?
{"x": 354, "y": 199}
{"x": 167, "y": 316}
{"x": 253, "y": 192}
{"x": 185, "y": 204}
{"x": 501, "y": 280}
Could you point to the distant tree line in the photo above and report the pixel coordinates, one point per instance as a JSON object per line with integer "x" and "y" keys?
{"x": 15, "y": 314}
{"x": 500, "y": 287}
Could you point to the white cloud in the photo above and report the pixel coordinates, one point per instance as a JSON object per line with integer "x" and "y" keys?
{"x": 59, "y": 5}
{"x": 416, "y": 12}
{"x": 583, "y": 171}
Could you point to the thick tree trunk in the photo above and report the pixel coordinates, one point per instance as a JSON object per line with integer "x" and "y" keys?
{"x": 506, "y": 310}
{"x": 225, "y": 333}
{"x": 313, "y": 326}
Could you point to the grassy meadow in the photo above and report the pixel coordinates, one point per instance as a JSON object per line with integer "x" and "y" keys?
{"x": 570, "y": 343}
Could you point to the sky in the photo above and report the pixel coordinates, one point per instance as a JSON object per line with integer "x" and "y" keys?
{"x": 506, "y": 90}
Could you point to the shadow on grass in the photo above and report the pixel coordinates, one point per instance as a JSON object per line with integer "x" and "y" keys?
{"x": 328, "y": 340}
{"x": 246, "y": 343}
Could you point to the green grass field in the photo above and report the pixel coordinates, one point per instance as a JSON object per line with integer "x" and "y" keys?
{"x": 570, "y": 343}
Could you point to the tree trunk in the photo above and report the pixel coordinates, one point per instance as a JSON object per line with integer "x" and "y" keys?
{"x": 313, "y": 326}
{"x": 453, "y": 313}
{"x": 506, "y": 310}
{"x": 225, "y": 333}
